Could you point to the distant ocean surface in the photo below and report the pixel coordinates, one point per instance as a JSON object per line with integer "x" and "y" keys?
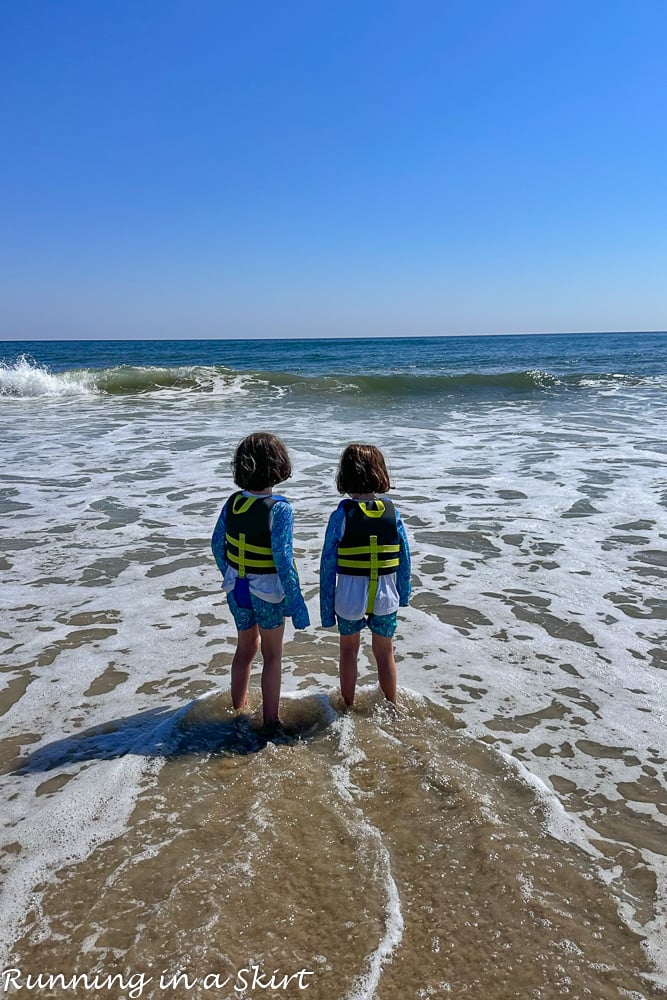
{"x": 504, "y": 835}
{"x": 451, "y": 366}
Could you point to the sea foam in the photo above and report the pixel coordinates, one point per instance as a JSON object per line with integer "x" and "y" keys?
{"x": 25, "y": 378}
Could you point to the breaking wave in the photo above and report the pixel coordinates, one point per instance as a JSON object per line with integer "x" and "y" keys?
{"x": 24, "y": 377}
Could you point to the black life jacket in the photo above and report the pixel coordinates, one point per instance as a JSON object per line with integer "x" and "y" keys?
{"x": 248, "y": 535}
{"x": 370, "y": 546}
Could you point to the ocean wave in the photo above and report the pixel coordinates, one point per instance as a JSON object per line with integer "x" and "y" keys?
{"x": 126, "y": 380}
{"x": 492, "y": 385}
{"x": 24, "y": 377}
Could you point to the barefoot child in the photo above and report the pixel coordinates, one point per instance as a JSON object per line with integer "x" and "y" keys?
{"x": 365, "y": 567}
{"x": 252, "y": 545}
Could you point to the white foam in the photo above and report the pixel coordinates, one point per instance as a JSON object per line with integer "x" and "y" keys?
{"x": 365, "y": 985}
{"x": 654, "y": 932}
{"x": 25, "y": 378}
{"x": 60, "y": 830}
{"x": 559, "y": 823}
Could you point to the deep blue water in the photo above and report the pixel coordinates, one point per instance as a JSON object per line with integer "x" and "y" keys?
{"x": 639, "y": 354}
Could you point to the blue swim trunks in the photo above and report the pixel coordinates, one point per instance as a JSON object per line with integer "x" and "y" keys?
{"x": 262, "y": 613}
{"x": 384, "y": 625}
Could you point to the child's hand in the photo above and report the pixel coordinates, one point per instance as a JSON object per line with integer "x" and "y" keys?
{"x": 301, "y": 618}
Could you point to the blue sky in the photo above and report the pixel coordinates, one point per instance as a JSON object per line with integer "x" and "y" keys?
{"x": 231, "y": 168}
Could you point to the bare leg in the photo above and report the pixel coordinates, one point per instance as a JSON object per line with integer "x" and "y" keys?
{"x": 383, "y": 651}
{"x": 246, "y": 649}
{"x": 349, "y": 653}
{"x": 272, "y": 654}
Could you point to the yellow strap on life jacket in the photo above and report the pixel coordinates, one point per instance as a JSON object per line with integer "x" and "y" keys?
{"x": 369, "y": 556}
{"x": 361, "y": 550}
{"x": 366, "y": 564}
{"x": 373, "y": 582}
{"x": 261, "y": 550}
{"x": 372, "y": 513}
{"x": 241, "y": 504}
{"x": 241, "y": 562}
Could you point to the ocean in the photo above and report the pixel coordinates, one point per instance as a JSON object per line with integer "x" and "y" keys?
{"x": 503, "y": 834}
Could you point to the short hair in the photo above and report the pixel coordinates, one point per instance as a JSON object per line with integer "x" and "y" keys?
{"x": 261, "y": 460}
{"x": 362, "y": 469}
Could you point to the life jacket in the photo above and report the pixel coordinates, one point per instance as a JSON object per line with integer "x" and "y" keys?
{"x": 248, "y": 535}
{"x": 369, "y": 546}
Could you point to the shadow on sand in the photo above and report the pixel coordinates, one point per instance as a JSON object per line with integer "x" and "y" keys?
{"x": 205, "y": 726}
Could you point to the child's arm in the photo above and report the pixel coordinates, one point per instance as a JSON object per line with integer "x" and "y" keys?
{"x": 282, "y": 524}
{"x": 218, "y": 541}
{"x": 403, "y": 584}
{"x": 334, "y": 533}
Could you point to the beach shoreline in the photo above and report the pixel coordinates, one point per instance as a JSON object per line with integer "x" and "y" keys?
{"x": 504, "y": 833}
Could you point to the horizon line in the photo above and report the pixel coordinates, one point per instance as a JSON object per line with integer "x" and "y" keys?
{"x": 317, "y": 337}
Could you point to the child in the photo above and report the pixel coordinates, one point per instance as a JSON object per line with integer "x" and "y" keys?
{"x": 252, "y": 545}
{"x": 365, "y": 567}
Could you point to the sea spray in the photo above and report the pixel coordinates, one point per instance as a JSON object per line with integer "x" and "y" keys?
{"x": 25, "y": 378}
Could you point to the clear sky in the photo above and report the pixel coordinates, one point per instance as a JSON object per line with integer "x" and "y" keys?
{"x": 230, "y": 168}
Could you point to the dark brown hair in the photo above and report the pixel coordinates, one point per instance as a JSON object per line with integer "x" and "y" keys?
{"x": 362, "y": 469}
{"x": 261, "y": 460}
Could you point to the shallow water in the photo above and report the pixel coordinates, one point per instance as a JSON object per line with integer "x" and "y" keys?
{"x": 376, "y": 851}
{"x": 502, "y": 835}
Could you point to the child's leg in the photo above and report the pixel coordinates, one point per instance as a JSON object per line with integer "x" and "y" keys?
{"x": 383, "y": 651}
{"x": 247, "y": 645}
{"x": 272, "y": 654}
{"x": 349, "y": 653}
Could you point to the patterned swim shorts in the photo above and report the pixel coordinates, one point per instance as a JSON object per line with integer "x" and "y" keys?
{"x": 262, "y": 613}
{"x": 384, "y": 625}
